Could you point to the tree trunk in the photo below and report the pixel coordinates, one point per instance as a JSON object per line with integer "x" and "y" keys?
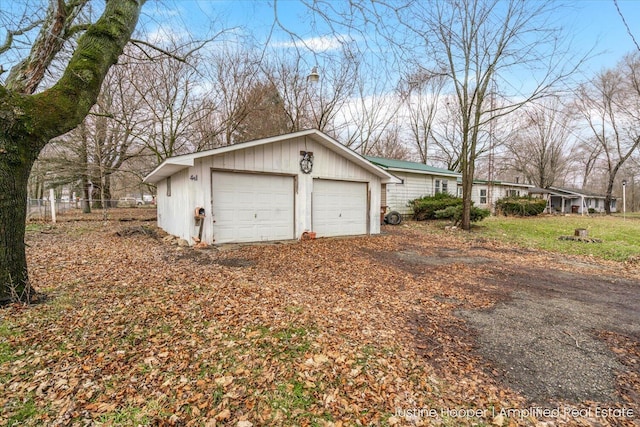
{"x": 14, "y": 178}
{"x": 28, "y": 122}
{"x": 106, "y": 193}
{"x": 467, "y": 188}
{"x": 86, "y": 204}
{"x": 608, "y": 195}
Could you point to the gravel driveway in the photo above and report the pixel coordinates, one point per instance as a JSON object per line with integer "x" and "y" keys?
{"x": 545, "y": 339}
{"x": 542, "y": 336}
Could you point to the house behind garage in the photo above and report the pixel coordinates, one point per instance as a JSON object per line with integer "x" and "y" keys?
{"x": 419, "y": 180}
{"x": 270, "y": 189}
{"x": 416, "y": 180}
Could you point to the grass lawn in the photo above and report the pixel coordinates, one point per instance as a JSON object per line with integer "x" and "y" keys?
{"x": 620, "y": 237}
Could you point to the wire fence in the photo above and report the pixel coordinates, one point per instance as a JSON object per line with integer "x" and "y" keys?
{"x": 40, "y": 209}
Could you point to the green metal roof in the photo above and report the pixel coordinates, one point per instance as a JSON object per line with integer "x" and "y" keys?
{"x": 412, "y": 166}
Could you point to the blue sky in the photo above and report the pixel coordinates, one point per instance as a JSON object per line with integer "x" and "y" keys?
{"x": 593, "y": 24}
{"x": 597, "y": 23}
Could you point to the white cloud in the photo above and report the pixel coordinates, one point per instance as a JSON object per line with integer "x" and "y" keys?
{"x": 316, "y": 44}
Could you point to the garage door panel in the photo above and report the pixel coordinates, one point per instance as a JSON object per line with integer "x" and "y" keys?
{"x": 252, "y": 207}
{"x": 339, "y": 208}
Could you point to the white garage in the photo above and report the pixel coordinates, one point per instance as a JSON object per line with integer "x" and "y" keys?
{"x": 270, "y": 189}
{"x": 339, "y": 208}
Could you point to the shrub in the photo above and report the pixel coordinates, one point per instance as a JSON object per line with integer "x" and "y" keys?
{"x": 521, "y": 206}
{"x": 454, "y": 213}
{"x": 425, "y": 207}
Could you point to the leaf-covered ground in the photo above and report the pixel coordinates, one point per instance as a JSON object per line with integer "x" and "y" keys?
{"x": 136, "y": 331}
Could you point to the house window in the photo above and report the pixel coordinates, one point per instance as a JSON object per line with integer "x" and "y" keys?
{"x": 445, "y": 186}
{"x": 597, "y": 203}
{"x": 483, "y": 197}
{"x": 437, "y": 186}
{"x": 514, "y": 193}
{"x": 169, "y": 187}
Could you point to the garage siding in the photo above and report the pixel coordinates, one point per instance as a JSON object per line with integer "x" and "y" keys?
{"x": 176, "y": 212}
{"x": 283, "y": 158}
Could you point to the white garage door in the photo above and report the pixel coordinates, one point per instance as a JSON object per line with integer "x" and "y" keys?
{"x": 339, "y": 208}
{"x": 252, "y": 207}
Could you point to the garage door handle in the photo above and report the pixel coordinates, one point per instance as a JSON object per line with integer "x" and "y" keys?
{"x": 255, "y": 215}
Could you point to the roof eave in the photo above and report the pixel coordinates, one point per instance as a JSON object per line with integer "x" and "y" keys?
{"x": 423, "y": 172}
{"x": 175, "y": 164}
{"x": 167, "y": 168}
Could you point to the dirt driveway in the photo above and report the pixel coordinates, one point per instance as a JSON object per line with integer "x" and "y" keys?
{"x": 557, "y": 330}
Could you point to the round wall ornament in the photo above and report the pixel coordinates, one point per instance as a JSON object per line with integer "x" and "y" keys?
{"x": 306, "y": 163}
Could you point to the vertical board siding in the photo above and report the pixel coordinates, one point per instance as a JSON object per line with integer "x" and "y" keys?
{"x": 175, "y": 212}
{"x": 280, "y": 157}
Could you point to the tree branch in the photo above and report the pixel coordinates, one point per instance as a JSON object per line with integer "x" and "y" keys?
{"x": 183, "y": 58}
{"x": 11, "y": 34}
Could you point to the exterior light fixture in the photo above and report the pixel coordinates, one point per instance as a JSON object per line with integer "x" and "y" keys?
{"x": 313, "y": 77}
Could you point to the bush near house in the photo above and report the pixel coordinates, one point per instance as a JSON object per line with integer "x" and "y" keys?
{"x": 425, "y": 208}
{"x": 454, "y": 213}
{"x": 520, "y": 206}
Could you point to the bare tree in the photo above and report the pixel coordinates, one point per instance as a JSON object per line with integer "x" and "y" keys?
{"x": 389, "y": 145}
{"x": 167, "y": 88}
{"x": 314, "y": 104}
{"x": 446, "y": 136}
{"x": 372, "y": 118}
{"x": 479, "y": 44}
{"x": 586, "y": 154}
{"x": 423, "y": 100}
{"x": 89, "y": 155}
{"x": 610, "y": 105}
{"x": 539, "y": 146}
{"x": 230, "y": 73}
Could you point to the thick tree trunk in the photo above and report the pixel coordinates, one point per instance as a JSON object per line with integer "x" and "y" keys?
{"x": 28, "y": 122}
{"x": 14, "y": 177}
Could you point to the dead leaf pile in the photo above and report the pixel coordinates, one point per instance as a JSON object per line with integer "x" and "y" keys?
{"x": 139, "y": 332}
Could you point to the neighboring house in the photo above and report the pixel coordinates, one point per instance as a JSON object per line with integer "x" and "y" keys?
{"x": 270, "y": 189}
{"x": 566, "y": 200}
{"x": 417, "y": 180}
{"x": 485, "y": 193}
{"x": 420, "y": 180}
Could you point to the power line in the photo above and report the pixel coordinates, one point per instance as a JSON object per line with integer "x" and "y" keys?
{"x": 624, "y": 21}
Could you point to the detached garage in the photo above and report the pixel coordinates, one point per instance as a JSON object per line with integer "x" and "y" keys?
{"x": 270, "y": 189}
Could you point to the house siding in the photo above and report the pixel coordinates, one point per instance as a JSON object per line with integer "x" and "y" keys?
{"x": 414, "y": 186}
